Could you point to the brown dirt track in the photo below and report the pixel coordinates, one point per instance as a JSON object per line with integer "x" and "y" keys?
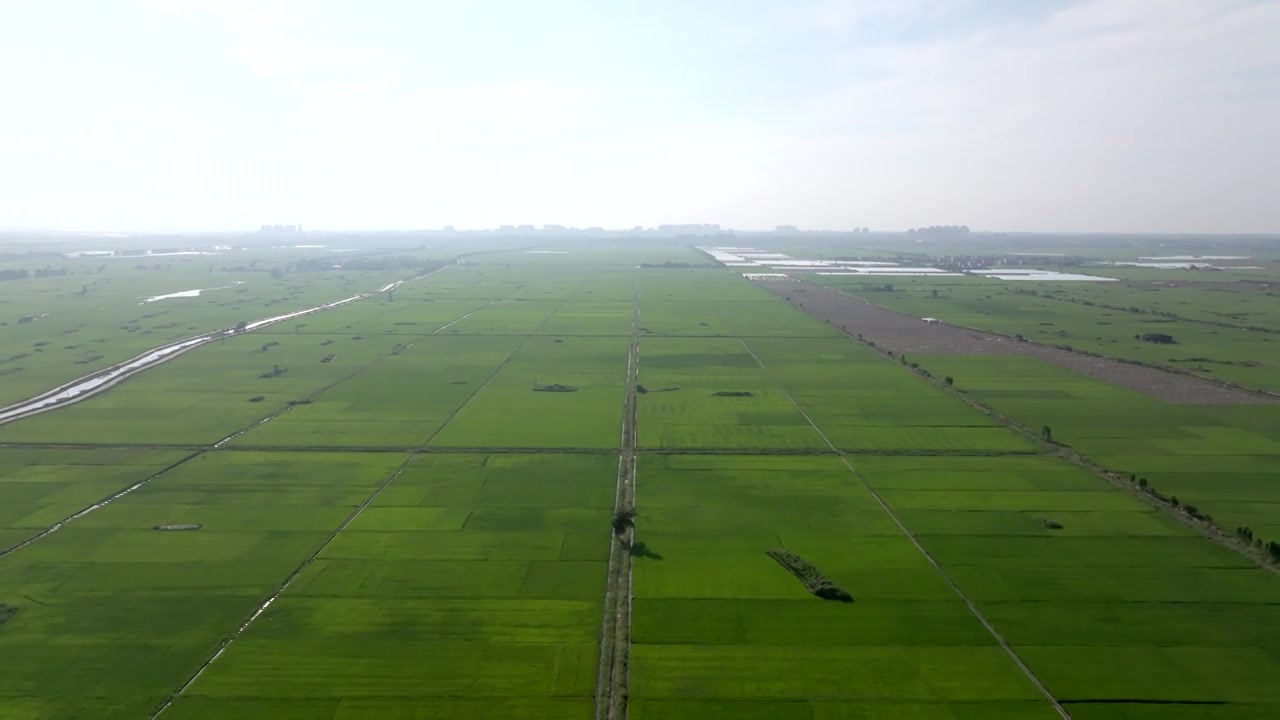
{"x": 901, "y": 333}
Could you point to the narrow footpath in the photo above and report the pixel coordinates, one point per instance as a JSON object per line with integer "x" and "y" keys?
{"x": 615, "y": 634}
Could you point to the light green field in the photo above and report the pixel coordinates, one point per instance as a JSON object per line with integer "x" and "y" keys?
{"x": 450, "y": 594}
{"x": 1211, "y": 326}
{"x": 1217, "y": 457}
{"x": 114, "y": 615}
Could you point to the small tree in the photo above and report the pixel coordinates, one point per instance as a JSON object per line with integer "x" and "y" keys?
{"x": 935, "y": 293}
{"x": 949, "y": 381}
{"x": 623, "y": 521}
{"x": 1046, "y": 432}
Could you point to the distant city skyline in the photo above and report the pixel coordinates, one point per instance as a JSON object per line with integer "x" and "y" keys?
{"x": 1054, "y": 115}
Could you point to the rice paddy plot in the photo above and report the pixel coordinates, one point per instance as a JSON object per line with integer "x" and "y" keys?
{"x": 506, "y": 317}
{"x": 448, "y": 595}
{"x": 681, "y": 405}
{"x": 400, "y": 402}
{"x": 114, "y": 613}
{"x": 547, "y": 394}
{"x": 861, "y": 402}
{"x": 1215, "y": 458}
{"x": 1121, "y": 568}
{"x": 720, "y": 627}
{"x": 590, "y": 317}
{"x": 204, "y": 395}
{"x": 41, "y": 487}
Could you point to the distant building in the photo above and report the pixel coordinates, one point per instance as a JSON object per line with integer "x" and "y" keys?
{"x": 280, "y": 229}
{"x": 691, "y": 229}
{"x": 786, "y": 229}
{"x": 507, "y": 228}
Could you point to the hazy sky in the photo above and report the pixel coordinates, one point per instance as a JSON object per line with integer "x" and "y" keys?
{"x": 1125, "y": 115}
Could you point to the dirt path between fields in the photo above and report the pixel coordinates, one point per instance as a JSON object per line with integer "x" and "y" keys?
{"x": 614, "y": 674}
{"x": 907, "y": 334}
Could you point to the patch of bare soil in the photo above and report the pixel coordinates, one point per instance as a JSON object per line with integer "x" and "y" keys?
{"x": 901, "y": 333}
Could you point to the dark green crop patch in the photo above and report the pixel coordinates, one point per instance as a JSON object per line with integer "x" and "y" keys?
{"x": 813, "y": 579}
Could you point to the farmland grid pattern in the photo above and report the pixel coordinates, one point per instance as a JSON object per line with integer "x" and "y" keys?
{"x": 613, "y": 688}
{"x": 103, "y": 502}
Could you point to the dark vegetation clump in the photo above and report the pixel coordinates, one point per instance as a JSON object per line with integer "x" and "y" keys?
{"x": 813, "y": 579}
{"x": 623, "y": 520}
{"x": 733, "y": 393}
{"x": 554, "y": 387}
{"x": 257, "y": 398}
{"x": 304, "y": 401}
{"x": 458, "y": 382}
{"x": 180, "y": 526}
{"x": 7, "y": 611}
{"x": 275, "y": 371}
{"x": 266, "y": 346}
{"x": 1049, "y": 524}
{"x": 1158, "y": 338}
{"x": 328, "y": 358}
{"x": 326, "y": 342}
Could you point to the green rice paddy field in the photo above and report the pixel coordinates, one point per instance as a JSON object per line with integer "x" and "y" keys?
{"x": 403, "y": 523}
{"x": 1211, "y": 325}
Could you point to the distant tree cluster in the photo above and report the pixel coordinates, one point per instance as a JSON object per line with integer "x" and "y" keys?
{"x": 939, "y": 230}
{"x": 23, "y": 273}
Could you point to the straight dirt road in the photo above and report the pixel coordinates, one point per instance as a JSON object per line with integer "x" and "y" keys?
{"x": 615, "y": 632}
